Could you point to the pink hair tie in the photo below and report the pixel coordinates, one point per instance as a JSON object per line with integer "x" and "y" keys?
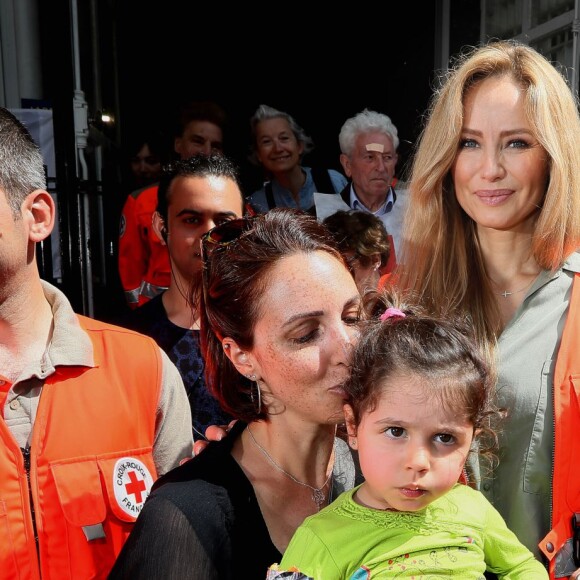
{"x": 392, "y": 313}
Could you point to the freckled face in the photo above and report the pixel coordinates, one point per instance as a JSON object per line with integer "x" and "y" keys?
{"x": 411, "y": 449}
{"x": 501, "y": 171}
{"x": 302, "y": 339}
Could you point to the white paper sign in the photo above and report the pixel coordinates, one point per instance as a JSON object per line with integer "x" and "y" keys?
{"x": 327, "y": 204}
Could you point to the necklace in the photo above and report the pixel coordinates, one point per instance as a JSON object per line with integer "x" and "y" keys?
{"x": 505, "y": 293}
{"x": 317, "y": 492}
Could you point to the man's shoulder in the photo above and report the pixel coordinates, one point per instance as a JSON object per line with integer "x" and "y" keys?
{"x": 144, "y": 193}
{"x": 93, "y": 326}
{"x": 337, "y": 176}
{"x": 123, "y": 351}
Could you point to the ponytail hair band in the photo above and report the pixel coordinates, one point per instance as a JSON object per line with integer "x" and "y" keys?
{"x": 392, "y": 313}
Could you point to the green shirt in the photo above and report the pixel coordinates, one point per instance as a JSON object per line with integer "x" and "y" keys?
{"x": 459, "y": 535}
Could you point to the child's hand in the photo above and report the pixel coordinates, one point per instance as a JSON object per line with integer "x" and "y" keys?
{"x": 274, "y": 573}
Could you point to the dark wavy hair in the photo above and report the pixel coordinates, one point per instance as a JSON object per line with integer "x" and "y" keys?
{"x": 360, "y": 232}
{"x": 235, "y": 280}
{"x": 441, "y": 349}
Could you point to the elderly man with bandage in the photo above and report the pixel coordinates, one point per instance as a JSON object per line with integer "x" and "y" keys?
{"x": 368, "y": 143}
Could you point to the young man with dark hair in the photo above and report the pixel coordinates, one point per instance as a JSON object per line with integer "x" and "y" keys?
{"x": 194, "y": 196}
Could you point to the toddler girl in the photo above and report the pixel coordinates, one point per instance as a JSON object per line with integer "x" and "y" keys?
{"x": 418, "y": 395}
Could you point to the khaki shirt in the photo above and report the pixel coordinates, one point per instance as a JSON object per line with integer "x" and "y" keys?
{"x": 70, "y": 345}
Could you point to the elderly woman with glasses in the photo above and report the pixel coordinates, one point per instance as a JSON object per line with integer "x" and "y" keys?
{"x": 279, "y": 310}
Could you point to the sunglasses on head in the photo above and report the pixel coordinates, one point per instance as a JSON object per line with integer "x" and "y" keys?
{"x": 222, "y": 236}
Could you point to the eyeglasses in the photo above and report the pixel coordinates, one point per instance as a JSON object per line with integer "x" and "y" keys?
{"x": 221, "y": 237}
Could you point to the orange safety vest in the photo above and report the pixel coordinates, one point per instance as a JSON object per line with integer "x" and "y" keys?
{"x": 566, "y": 471}
{"x": 91, "y": 462}
{"x": 143, "y": 261}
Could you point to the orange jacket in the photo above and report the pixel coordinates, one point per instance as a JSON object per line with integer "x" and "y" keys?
{"x": 392, "y": 261}
{"x": 566, "y": 470}
{"x": 91, "y": 465}
{"x": 143, "y": 260}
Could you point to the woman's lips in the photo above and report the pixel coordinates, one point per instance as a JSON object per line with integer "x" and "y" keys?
{"x": 494, "y": 197}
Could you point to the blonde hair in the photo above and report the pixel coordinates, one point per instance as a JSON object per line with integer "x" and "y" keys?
{"x": 446, "y": 268}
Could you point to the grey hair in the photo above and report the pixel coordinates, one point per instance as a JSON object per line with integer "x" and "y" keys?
{"x": 264, "y": 112}
{"x": 366, "y": 122}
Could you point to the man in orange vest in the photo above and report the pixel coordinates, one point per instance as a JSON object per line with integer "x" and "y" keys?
{"x": 143, "y": 261}
{"x": 92, "y": 414}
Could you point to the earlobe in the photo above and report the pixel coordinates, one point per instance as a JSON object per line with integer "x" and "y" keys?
{"x": 40, "y": 207}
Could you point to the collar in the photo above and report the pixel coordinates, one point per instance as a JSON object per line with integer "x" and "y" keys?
{"x": 387, "y": 206}
{"x": 572, "y": 263}
{"x": 70, "y": 345}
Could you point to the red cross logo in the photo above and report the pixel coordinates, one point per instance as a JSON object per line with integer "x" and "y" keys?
{"x": 136, "y": 487}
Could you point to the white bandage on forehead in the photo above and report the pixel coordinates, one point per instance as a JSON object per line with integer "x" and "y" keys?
{"x": 375, "y": 147}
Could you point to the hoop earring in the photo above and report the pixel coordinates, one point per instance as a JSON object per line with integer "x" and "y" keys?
{"x": 256, "y": 399}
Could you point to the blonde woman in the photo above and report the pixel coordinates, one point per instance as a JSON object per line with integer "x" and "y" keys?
{"x": 493, "y": 230}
